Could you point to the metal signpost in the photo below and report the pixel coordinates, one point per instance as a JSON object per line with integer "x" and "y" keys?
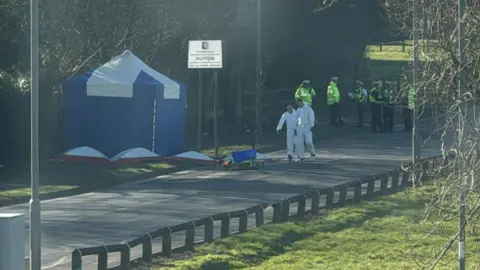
{"x": 35, "y": 219}
{"x": 258, "y": 103}
{"x": 206, "y": 54}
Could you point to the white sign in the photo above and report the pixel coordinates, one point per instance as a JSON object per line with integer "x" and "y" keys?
{"x": 205, "y": 54}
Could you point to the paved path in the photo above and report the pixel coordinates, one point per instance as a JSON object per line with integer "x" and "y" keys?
{"x": 122, "y": 213}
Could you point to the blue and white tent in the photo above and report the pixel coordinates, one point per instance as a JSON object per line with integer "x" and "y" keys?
{"x": 124, "y": 104}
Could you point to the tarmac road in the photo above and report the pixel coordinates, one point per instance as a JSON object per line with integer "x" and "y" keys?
{"x": 125, "y": 212}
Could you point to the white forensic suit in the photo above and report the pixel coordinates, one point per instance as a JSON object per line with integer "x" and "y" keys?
{"x": 306, "y": 121}
{"x": 292, "y": 121}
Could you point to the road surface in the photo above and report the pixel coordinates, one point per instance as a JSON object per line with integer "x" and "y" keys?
{"x": 125, "y": 212}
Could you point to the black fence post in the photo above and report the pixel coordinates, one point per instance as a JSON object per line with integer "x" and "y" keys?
{"x": 77, "y": 259}
{"x": 342, "y": 196}
{"x": 259, "y": 217}
{"x": 417, "y": 170}
{"x": 425, "y": 167}
{"x": 330, "y": 195}
{"x": 301, "y": 207}
{"x": 209, "y": 230}
{"x": 445, "y": 164}
{"x": 147, "y": 251}
{"x": 243, "y": 222}
{"x": 103, "y": 259}
{"x": 315, "y": 202}
{"x": 225, "y": 229}
{"x": 285, "y": 210}
{"x": 357, "y": 196}
{"x": 125, "y": 258}
{"x": 167, "y": 242}
{"x": 384, "y": 184}
{"x": 395, "y": 176}
{"x": 405, "y": 178}
{"x": 277, "y": 212}
{"x": 190, "y": 237}
{"x": 371, "y": 188}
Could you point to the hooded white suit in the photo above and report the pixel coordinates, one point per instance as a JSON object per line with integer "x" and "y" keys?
{"x": 306, "y": 121}
{"x": 292, "y": 122}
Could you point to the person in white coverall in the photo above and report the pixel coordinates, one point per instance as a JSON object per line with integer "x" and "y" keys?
{"x": 291, "y": 119}
{"x": 306, "y": 121}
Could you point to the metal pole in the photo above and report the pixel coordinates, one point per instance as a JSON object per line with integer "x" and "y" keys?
{"x": 199, "y": 112}
{"x": 35, "y": 221}
{"x": 215, "y": 109}
{"x": 462, "y": 201}
{"x": 415, "y": 144}
{"x": 258, "y": 111}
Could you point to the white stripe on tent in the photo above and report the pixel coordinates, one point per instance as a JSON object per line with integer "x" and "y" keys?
{"x": 134, "y": 153}
{"x": 84, "y": 151}
{"x": 116, "y": 78}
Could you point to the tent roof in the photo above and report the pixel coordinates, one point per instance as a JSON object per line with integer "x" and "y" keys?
{"x": 117, "y": 77}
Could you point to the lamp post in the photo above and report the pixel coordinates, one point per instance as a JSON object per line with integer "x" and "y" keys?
{"x": 415, "y": 144}
{"x": 258, "y": 101}
{"x": 35, "y": 220}
{"x": 462, "y": 186}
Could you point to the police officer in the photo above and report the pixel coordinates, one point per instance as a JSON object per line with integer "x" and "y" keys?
{"x": 333, "y": 101}
{"x": 361, "y": 96}
{"x": 305, "y": 92}
{"x": 376, "y": 105}
{"x": 388, "y": 107}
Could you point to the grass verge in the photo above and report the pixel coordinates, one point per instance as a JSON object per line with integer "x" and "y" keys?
{"x": 59, "y": 179}
{"x": 385, "y": 234}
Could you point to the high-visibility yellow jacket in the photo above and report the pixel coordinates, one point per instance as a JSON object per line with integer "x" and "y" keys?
{"x": 305, "y": 93}
{"x": 359, "y": 95}
{"x": 333, "y": 95}
{"x": 375, "y": 96}
{"x": 387, "y": 96}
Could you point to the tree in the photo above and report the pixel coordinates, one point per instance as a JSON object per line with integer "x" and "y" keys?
{"x": 437, "y": 90}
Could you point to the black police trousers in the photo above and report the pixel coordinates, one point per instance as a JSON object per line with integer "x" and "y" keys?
{"x": 407, "y": 119}
{"x": 335, "y": 118}
{"x": 388, "y": 115}
{"x": 376, "y": 117}
{"x": 360, "y": 113}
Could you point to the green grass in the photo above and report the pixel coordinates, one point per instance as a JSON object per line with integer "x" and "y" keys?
{"x": 385, "y": 234}
{"x": 392, "y": 59}
{"x": 61, "y": 176}
{"x": 394, "y": 51}
{"x": 389, "y": 53}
